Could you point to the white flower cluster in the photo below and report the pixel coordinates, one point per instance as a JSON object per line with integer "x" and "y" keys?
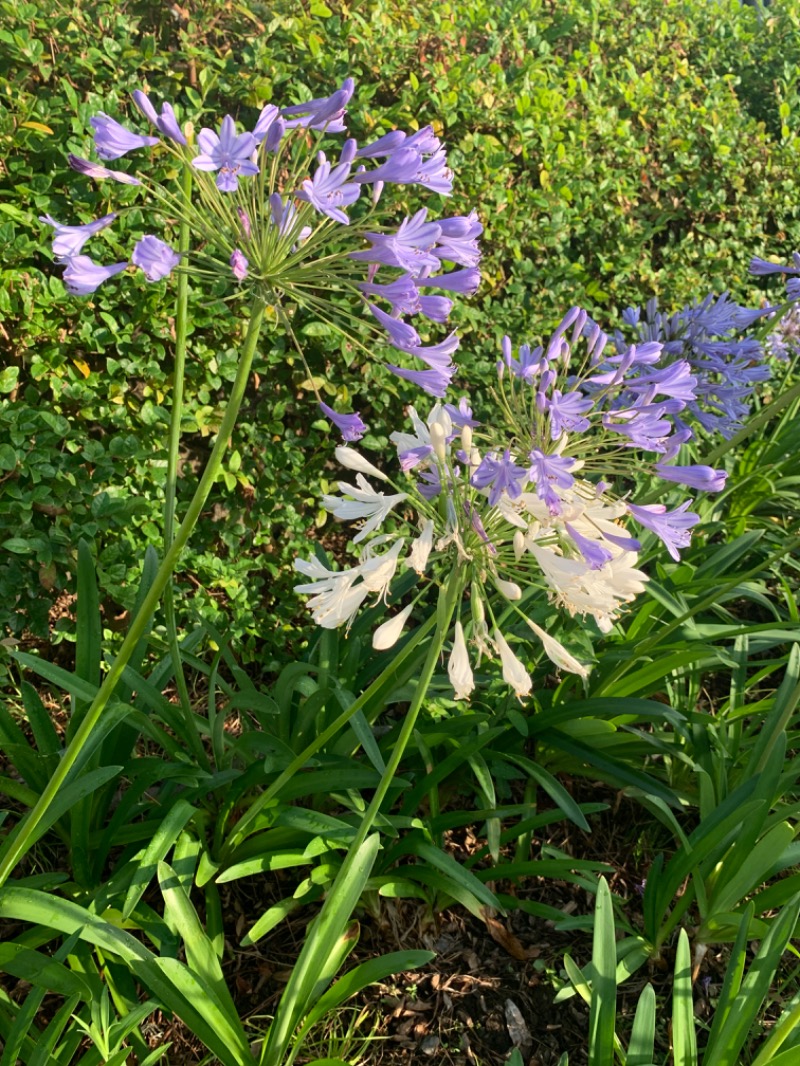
{"x": 500, "y": 540}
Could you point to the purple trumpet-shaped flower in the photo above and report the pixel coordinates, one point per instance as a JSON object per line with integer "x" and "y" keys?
{"x": 329, "y": 191}
{"x": 414, "y": 456}
{"x": 351, "y": 426}
{"x": 94, "y": 170}
{"x": 458, "y": 241}
{"x": 760, "y": 267}
{"x": 592, "y": 550}
{"x": 646, "y": 427}
{"x": 269, "y": 128}
{"x": 111, "y": 140}
{"x": 322, "y": 113}
{"x": 462, "y": 415}
{"x": 434, "y": 381}
{"x": 526, "y": 367}
{"x": 82, "y": 276}
{"x": 676, "y": 381}
{"x": 568, "y": 412}
{"x": 499, "y": 476}
{"x": 156, "y": 259}
{"x": 436, "y": 175}
{"x": 704, "y": 478}
{"x": 239, "y": 264}
{"x": 547, "y": 471}
{"x": 401, "y": 167}
{"x": 384, "y": 146}
{"x": 68, "y": 240}
{"x": 166, "y": 121}
{"x": 409, "y": 248}
{"x": 433, "y": 354}
{"x": 465, "y": 282}
{"x": 401, "y": 335}
{"x": 228, "y": 153}
{"x": 671, "y": 526}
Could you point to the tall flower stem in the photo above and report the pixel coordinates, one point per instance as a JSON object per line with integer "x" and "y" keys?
{"x": 173, "y": 459}
{"x": 448, "y": 598}
{"x": 21, "y": 839}
{"x": 248, "y": 819}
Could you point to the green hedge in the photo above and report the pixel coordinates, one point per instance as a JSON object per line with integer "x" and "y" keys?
{"x": 613, "y": 150}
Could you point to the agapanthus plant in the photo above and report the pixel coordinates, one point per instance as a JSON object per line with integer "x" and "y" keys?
{"x": 282, "y": 225}
{"x": 538, "y": 497}
{"x": 291, "y": 224}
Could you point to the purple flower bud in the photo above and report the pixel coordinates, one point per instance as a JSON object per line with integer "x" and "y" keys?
{"x": 239, "y": 264}
{"x": 94, "y": 170}
{"x": 82, "y": 276}
{"x": 111, "y": 140}
{"x": 351, "y": 426}
{"x": 270, "y": 128}
{"x": 699, "y": 477}
{"x": 156, "y": 259}
{"x": 761, "y": 267}
{"x": 348, "y": 152}
{"x": 244, "y": 218}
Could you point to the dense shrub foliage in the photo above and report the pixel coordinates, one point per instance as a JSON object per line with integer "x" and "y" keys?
{"x": 613, "y": 150}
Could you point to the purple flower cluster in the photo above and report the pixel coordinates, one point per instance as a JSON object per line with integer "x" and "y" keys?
{"x": 709, "y": 337}
{"x": 623, "y": 398}
{"x": 412, "y": 270}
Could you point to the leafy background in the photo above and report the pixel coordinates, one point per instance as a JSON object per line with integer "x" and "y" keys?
{"x": 613, "y": 151}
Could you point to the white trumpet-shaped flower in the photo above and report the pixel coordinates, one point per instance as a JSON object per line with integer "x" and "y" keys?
{"x": 557, "y": 653}
{"x": 388, "y": 634}
{"x": 514, "y": 673}
{"x": 458, "y": 668}
{"x": 421, "y": 548}
{"x": 353, "y": 460}
{"x": 363, "y": 502}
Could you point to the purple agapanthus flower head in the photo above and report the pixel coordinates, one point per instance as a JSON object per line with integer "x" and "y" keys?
{"x": 350, "y": 426}
{"x": 82, "y": 276}
{"x": 227, "y": 153}
{"x": 112, "y": 140}
{"x": 155, "y": 258}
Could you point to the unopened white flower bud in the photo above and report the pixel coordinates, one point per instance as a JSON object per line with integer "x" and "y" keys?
{"x": 509, "y": 589}
{"x": 458, "y": 668}
{"x": 466, "y": 439}
{"x": 387, "y": 635}
{"x": 519, "y": 544}
{"x": 354, "y": 460}
{"x": 438, "y": 442}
